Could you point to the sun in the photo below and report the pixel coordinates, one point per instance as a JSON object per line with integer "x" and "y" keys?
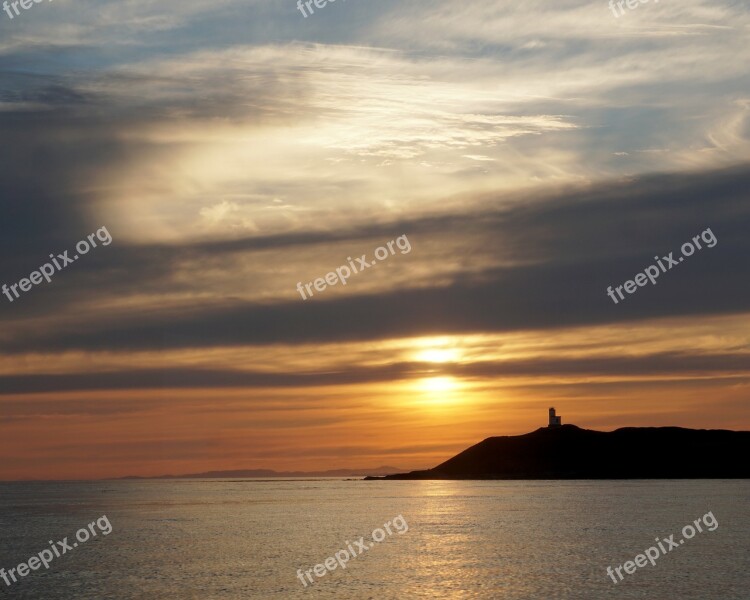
{"x": 438, "y": 385}
{"x": 436, "y": 350}
{"x": 437, "y": 392}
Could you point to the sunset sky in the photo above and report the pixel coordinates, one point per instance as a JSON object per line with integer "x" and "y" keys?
{"x": 534, "y": 153}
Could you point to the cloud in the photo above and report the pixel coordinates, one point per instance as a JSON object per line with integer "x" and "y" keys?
{"x": 542, "y": 263}
{"x": 664, "y": 364}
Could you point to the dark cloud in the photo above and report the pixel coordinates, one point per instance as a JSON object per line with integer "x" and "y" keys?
{"x": 661, "y": 364}
{"x": 568, "y": 248}
{"x": 187, "y": 378}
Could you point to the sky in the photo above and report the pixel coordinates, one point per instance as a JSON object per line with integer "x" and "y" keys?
{"x": 529, "y": 156}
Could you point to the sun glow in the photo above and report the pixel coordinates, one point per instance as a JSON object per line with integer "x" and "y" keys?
{"x": 438, "y": 385}
{"x": 436, "y": 350}
{"x": 439, "y": 391}
{"x": 437, "y": 355}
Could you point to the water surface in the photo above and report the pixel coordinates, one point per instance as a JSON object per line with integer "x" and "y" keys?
{"x": 212, "y": 539}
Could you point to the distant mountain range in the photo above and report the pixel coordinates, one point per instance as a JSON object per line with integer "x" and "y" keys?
{"x": 569, "y": 452}
{"x": 263, "y": 473}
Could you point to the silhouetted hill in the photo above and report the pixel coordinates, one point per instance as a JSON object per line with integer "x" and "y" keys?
{"x": 569, "y": 452}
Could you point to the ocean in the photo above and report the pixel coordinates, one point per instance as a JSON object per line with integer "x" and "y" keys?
{"x": 232, "y": 539}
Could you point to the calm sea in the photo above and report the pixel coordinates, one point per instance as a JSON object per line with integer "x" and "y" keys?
{"x": 206, "y": 539}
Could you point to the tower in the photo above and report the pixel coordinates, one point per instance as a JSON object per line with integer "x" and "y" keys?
{"x": 554, "y": 421}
